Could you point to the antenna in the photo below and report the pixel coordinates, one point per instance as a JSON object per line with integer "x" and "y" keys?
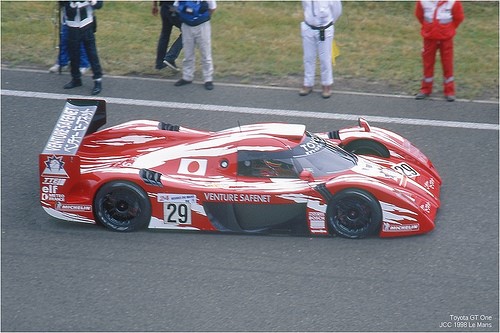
{"x": 239, "y": 125}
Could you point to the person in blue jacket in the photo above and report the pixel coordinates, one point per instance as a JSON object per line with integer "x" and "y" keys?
{"x": 196, "y": 32}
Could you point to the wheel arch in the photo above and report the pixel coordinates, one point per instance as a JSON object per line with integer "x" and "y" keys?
{"x": 363, "y": 146}
{"x": 359, "y": 195}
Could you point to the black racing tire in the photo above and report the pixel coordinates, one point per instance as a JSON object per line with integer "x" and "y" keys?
{"x": 122, "y": 206}
{"x": 354, "y": 213}
{"x": 367, "y": 147}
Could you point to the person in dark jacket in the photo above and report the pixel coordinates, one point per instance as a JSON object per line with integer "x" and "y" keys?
{"x": 62, "y": 62}
{"x": 81, "y": 22}
{"x": 169, "y": 19}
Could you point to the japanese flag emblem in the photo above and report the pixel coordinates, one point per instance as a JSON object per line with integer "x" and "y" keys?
{"x": 191, "y": 166}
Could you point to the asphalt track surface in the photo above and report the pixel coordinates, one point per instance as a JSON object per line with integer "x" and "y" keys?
{"x": 63, "y": 276}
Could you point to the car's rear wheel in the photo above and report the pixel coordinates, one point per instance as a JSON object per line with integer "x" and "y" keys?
{"x": 354, "y": 213}
{"x": 122, "y": 206}
{"x": 367, "y": 147}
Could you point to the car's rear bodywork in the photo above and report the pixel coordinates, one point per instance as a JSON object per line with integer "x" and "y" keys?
{"x": 246, "y": 179}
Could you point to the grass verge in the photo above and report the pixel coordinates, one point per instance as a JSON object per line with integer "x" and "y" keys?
{"x": 259, "y": 42}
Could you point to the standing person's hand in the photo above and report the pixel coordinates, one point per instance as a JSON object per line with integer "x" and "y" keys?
{"x": 154, "y": 10}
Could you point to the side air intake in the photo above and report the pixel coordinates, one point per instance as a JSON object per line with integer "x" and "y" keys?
{"x": 168, "y": 127}
{"x": 151, "y": 177}
{"x": 334, "y": 135}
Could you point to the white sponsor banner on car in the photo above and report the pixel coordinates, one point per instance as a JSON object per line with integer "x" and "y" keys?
{"x": 169, "y": 197}
{"x": 70, "y": 129}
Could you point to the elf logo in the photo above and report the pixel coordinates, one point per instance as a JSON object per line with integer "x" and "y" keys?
{"x": 192, "y": 166}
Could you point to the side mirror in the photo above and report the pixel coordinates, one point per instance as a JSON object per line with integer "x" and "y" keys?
{"x": 364, "y": 124}
{"x": 306, "y": 175}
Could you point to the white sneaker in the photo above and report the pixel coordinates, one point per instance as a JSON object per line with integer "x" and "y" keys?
{"x": 55, "y": 68}
{"x": 84, "y": 70}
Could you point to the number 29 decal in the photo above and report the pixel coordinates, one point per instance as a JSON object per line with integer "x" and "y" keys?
{"x": 406, "y": 170}
{"x": 177, "y": 207}
{"x": 177, "y": 212}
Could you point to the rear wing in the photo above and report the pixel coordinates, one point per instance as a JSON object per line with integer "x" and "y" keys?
{"x": 59, "y": 164}
{"x": 79, "y": 118}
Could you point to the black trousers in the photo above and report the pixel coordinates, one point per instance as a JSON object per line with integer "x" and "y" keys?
{"x": 167, "y": 23}
{"x": 86, "y": 36}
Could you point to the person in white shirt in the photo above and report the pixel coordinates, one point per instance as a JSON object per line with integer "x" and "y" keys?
{"x": 317, "y": 32}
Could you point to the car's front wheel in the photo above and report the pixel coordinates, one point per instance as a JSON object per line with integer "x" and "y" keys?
{"x": 354, "y": 213}
{"x": 122, "y": 206}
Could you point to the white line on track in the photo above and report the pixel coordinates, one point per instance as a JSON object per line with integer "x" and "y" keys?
{"x": 249, "y": 110}
{"x": 343, "y": 92}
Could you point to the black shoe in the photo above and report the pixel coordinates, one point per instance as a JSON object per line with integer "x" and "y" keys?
{"x": 182, "y": 82}
{"x": 97, "y": 88}
{"x": 73, "y": 84}
{"x": 450, "y": 98}
{"x": 209, "y": 85}
{"x": 421, "y": 96}
{"x": 160, "y": 66}
{"x": 171, "y": 64}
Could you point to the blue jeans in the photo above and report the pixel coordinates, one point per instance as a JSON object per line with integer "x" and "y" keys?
{"x": 63, "y": 59}
{"x": 168, "y": 21}
{"x": 174, "y": 50}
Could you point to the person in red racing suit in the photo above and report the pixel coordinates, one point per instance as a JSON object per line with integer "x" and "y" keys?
{"x": 439, "y": 21}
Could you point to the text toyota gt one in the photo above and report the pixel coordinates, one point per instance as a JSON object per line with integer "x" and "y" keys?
{"x": 353, "y": 182}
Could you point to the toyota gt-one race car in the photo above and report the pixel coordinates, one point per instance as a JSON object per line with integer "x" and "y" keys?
{"x": 353, "y": 182}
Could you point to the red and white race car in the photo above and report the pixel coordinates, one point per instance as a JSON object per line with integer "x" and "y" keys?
{"x": 352, "y": 182}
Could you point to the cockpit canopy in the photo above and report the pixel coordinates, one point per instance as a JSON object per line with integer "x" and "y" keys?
{"x": 313, "y": 154}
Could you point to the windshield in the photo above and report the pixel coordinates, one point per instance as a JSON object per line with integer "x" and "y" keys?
{"x": 314, "y": 154}
{"x": 321, "y": 157}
